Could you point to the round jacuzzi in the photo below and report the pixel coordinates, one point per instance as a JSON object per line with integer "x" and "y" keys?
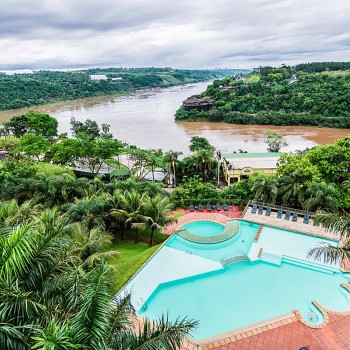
{"x": 204, "y": 228}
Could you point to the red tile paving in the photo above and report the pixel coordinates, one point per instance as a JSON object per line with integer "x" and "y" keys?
{"x": 219, "y": 216}
{"x": 293, "y": 336}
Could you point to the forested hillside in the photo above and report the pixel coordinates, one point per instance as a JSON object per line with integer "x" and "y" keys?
{"x": 24, "y": 90}
{"x": 307, "y": 94}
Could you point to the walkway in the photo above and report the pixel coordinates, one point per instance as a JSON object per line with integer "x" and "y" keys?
{"x": 291, "y": 336}
{"x": 214, "y": 215}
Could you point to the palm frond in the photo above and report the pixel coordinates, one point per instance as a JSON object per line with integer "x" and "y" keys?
{"x": 328, "y": 253}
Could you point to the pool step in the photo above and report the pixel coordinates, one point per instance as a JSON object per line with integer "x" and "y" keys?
{"x": 233, "y": 258}
{"x": 258, "y": 233}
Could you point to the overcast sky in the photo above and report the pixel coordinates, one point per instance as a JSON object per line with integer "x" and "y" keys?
{"x": 176, "y": 33}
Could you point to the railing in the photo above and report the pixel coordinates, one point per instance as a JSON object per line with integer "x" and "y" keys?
{"x": 235, "y": 257}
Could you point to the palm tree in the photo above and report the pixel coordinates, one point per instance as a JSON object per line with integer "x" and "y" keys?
{"x": 48, "y": 302}
{"x": 171, "y": 158}
{"x": 265, "y": 187}
{"x": 321, "y": 196}
{"x": 292, "y": 189}
{"x": 336, "y": 223}
{"x": 157, "y": 211}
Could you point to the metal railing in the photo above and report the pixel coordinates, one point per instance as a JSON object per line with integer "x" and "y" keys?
{"x": 235, "y": 257}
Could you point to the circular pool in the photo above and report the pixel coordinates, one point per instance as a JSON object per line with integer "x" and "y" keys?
{"x": 204, "y": 228}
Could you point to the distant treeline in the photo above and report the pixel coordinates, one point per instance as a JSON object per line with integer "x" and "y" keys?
{"x": 24, "y": 90}
{"x": 308, "y": 94}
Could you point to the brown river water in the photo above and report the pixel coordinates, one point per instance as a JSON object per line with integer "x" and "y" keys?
{"x": 146, "y": 119}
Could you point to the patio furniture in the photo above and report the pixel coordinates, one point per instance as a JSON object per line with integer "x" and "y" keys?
{"x": 279, "y": 213}
{"x": 218, "y": 206}
{"x": 287, "y": 216}
{"x": 191, "y": 207}
{"x": 268, "y": 211}
{"x": 295, "y": 216}
{"x": 306, "y": 218}
{"x": 200, "y": 207}
{"x": 225, "y": 207}
{"x": 261, "y": 209}
{"x": 255, "y": 207}
{"x": 208, "y": 207}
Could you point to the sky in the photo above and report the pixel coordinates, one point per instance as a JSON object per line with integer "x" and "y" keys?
{"x": 172, "y": 33}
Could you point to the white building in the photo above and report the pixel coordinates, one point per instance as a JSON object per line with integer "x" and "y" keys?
{"x": 98, "y": 77}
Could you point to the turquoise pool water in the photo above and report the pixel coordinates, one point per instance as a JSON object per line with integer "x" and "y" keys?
{"x": 204, "y": 228}
{"x": 190, "y": 281}
{"x": 241, "y": 241}
{"x": 246, "y": 293}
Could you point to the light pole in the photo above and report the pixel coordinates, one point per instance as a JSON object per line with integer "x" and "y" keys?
{"x": 218, "y": 155}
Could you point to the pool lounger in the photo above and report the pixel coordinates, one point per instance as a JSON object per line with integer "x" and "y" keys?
{"x": 200, "y": 207}
{"x": 225, "y": 207}
{"x": 295, "y": 216}
{"x": 254, "y": 208}
{"x": 218, "y": 207}
{"x": 287, "y": 216}
{"x": 268, "y": 211}
{"x": 208, "y": 207}
{"x": 191, "y": 207}
{"x": 306, "y": 218}
{"x": 261, "y": 209}
{"x": 279, "y": 213}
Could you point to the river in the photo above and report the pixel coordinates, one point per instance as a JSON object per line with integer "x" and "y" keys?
{"x": 146, "y": 119}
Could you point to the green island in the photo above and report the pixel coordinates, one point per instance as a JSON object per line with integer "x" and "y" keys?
{"x": 42, "y": 87}
{"x": 315, "y": 94}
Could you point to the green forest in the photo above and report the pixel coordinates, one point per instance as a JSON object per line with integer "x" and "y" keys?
{"x": 315, "y": 94}
{"x": 25, "y": 90}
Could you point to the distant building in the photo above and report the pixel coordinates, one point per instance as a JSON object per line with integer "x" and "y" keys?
{"x": 98, "y": 77}
{"x": 115, "y": 79}
{"x": 293, "y": 79}
{"x": 202, "y": 104}
{"x": 238, "y": 166}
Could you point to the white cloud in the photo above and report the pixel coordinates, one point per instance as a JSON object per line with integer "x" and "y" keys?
{"x": 192, "y": 33}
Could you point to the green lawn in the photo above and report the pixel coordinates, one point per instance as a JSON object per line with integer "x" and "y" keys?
{"x": 131, "y": 257}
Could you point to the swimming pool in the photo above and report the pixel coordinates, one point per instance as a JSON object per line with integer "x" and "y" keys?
{"x": 188, "y": 279}
{"x": 204, "y": 228}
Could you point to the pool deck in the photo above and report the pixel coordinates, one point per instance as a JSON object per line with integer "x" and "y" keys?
{"x": 286, "y": 334}
{"x": 213, "y": 215}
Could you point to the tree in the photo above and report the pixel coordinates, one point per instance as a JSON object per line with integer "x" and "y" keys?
{"x": 34, "y": 145}
{"x": 156, "y": 212}
{"x": 274, "y": 141}
{"x": 265, "y": 187}
{"x": 336, "y": 223}
{"x": 198, "y": 143}
{"x": 37, "y": 123}
{"x": 171, "y": 158}
{"x": 87, "y": 129}
{"x": 321, "y": 195}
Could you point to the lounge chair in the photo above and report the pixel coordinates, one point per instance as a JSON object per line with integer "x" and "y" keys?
{"x": 268, "y": 211}
{"x": 287, "y": 216}
{"x": 225, "y": 207}
{"x": 295, "y": 216}
{"x": 191, "y": 207}
{"x": 261, "y": 209}
{"x": 218, "y": 207}
{"x": 208, "y": 207}
{"x": 254, "y": 208}
{"x": 200, "y": 207}
{"x": 279, "y": 213}
{"x": 306, "y": 218}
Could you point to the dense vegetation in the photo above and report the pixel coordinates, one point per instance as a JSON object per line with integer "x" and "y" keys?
{"x": 24, "y": 90}
{"x": 308, "y": 94}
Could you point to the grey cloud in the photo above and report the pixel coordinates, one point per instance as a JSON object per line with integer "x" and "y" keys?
{"x": 188, "y": 33}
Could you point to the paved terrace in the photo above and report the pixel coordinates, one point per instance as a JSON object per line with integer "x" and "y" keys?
{"x": 213, "y": 215}
{"x": 287, "y": 334}
{"x": 272, "y": 220}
